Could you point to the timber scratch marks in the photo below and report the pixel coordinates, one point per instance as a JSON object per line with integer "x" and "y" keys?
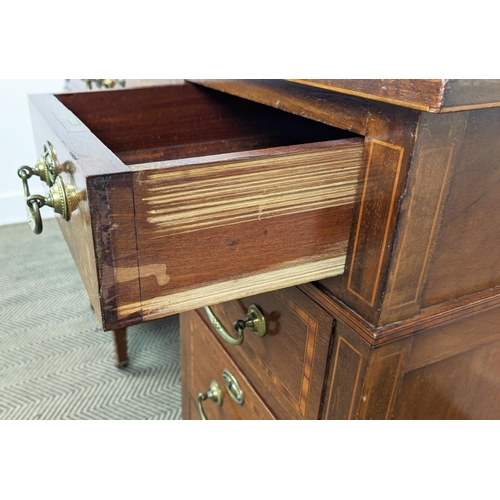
{"x": 184, "y": 200}
{"x": 290, "y": 274}
{"x": 129, "y": 273}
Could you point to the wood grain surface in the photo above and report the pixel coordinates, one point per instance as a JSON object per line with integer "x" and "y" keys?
{"x": 203, "y": 360}
{"x": 185, "y": 121}
{"x": 435, "y": 156}
{"x": 386, "y": 161}
{"x": 453, "y": 371}
{"x": 288, "y": 364}
{"x": 420, "y": 94}
{"x": 347, "y": 366}
{"x": 466, "y": 258}
{"x": 431, "y": 95}
{"x": 234, "y": 226}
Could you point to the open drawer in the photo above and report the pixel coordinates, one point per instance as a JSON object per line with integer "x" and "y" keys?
{"x": 183, "y": 197}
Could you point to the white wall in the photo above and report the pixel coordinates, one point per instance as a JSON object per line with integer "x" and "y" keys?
{"x": 17, "y": 145}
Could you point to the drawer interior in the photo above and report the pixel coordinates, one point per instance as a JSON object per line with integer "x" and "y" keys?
{"x": 185, "y": 121}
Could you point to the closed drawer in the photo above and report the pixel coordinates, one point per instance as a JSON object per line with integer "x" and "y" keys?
{"x": 186, "y": 196}
{"x": 287, "y": 365}
{"x": 204, "y": 361}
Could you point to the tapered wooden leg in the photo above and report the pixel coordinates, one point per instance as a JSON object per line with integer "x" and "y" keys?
{"x": 121, "y": 347}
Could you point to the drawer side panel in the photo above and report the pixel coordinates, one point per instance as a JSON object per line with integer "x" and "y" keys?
{"x": 215, "y": 232}
{"x": 101, "y": 231}
{"x": 78, "y": 231}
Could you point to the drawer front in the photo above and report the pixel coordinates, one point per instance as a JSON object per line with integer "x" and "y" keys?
{"x": 204, "y": 361}
{"x": 287, "y": 365}
{"x": 189, "y": 197}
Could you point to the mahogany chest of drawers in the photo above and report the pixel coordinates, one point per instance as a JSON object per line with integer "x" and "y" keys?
{"x": 359, "y": 218}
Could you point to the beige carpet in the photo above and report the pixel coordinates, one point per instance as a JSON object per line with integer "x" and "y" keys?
{"x": 55, "y": 360}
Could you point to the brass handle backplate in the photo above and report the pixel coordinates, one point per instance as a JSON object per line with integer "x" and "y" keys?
{"x": 232, "y": 386}
{"x": 47, "y": 167}
{"x": 214, "y": 394}
{"x": 61, "y": 198}
{"x": 254, "y": 320}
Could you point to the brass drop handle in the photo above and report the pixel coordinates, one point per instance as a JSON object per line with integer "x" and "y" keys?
{"x": 254, "y": 320}
{"x": 214, "y": 394}
{"x": 61, "y": 198}
{"x": 32, "y": 208}
{"x": 47, "y": 167}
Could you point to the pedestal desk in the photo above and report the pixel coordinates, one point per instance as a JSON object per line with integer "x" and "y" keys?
{"x": 331, "y": 245}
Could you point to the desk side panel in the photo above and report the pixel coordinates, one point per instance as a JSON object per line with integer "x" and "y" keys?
{"x": 466, "y": 258}
{"x": 436, "y": 153}
{"x": 453, "y": 371}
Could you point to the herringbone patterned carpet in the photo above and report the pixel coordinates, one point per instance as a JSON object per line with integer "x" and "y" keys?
{"x": 55, "y": 360}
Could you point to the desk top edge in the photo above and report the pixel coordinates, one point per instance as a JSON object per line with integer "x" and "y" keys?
{"x": 430, "y": 95}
